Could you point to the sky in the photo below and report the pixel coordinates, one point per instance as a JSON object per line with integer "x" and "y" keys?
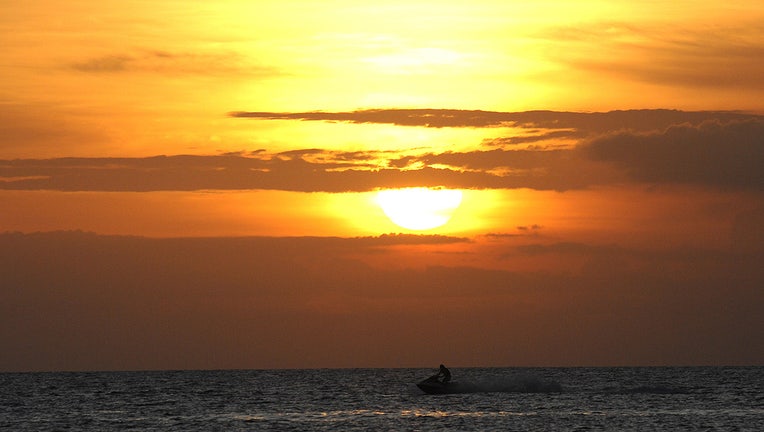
{"x": 300, "y": 184}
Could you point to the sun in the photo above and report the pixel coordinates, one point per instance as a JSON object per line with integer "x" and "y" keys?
{"x": 419, "y": 208}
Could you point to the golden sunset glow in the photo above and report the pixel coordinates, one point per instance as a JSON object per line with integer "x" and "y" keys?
{"x": 419, "y": 208}
{"x": 420, "y": 169}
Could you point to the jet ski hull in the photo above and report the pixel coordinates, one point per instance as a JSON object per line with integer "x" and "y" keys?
{"x": 436, "y": 387}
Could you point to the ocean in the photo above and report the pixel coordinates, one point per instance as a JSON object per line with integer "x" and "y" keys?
{"x": 521, "y": 399}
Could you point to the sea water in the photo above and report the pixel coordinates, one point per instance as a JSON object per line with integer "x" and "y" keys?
{"x": 522, "y": 399}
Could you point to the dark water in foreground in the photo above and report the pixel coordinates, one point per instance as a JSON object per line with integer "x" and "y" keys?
{"x": 607, "y": 399}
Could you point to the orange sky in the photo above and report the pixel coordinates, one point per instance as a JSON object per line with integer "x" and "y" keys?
{"x": 609, "y": 156}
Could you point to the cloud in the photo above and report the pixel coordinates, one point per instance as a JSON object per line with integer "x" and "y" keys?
{"x": 309, "y": 171}
{"x": 714, "y": 57}
{"x": 112, "y": 302}
{"x": 167, "y": 62}
{"x": 747, "y": 234}
{"x": 554, "y": 122}
{"x": 43, "y": 127}
{"x": 706, "y": 149}
{"x": 565, "y": 248}
{"x": 532, "y": 138}
{"x": 107, "y": 63}
{"x": 399, "y": 117}
{"x": 727, "y": 155}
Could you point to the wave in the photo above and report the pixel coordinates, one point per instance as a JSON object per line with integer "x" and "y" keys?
{"x": 522, "y": 384}
{"x": 512, "y": 384}
{"x": 653, "y": 389}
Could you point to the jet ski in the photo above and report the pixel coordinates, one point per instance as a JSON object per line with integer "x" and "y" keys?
{"x": 433, "y": 385}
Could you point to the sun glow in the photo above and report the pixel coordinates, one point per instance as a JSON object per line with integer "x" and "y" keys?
{"x": 419, "y": 208}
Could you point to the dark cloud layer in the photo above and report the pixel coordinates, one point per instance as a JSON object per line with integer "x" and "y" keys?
{"x": 110, "y": 303}
{"x": 716, "y": 149}
{"x": 583, "y": 123}
{"x": 552, "y": 170}
{"x": 729, "y": 155}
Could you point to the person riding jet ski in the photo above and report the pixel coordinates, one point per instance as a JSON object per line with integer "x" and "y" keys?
{"x": 445, "y": 373}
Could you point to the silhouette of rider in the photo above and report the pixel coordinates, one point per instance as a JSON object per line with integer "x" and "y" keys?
{"x": 445, "y": 373}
